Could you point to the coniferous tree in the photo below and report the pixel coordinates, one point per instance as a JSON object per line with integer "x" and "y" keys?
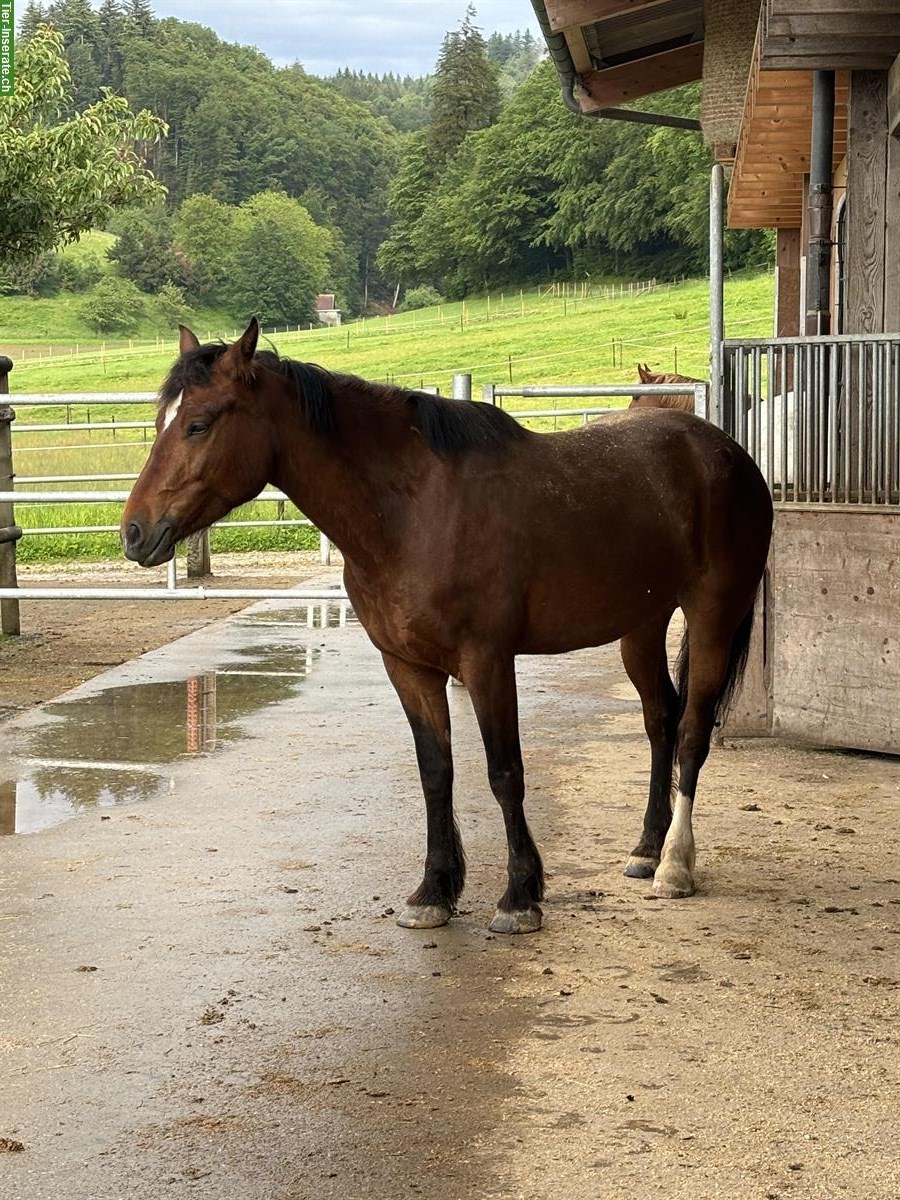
{"x": 110, "y": 36}
{"x": 464, "y": 94}
{"x": 139, "y": 18}
{"x": 33, "y": 15}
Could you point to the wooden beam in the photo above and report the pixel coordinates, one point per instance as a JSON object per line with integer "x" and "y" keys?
{"x": 866, "y": 214}
{"x": 837, "y": 58}
{"x": 563, "y": 14}
{"x": 787, "y": 283}
{"x": 655, "y": 73}
{"x": 816, "y": 25}
{"x": 581, "y": 56}
{"x": 857, "y": 8}
{"x": 892, "y": 238}
{"x": 894, "y": 98}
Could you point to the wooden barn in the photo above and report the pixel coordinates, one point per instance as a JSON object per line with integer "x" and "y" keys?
{"x": 801, "y": 106}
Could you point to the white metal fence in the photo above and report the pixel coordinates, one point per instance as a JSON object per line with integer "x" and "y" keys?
{"x": 462, "y": 389}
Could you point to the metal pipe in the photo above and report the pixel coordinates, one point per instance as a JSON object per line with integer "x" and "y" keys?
{"x": 164, "y": 593}
{"x": 95, "y": 497}
{"x": 461, "y": 387}
{"x": 648, "y": 118}
{"x": 820, "y": 205}
{"x": 716, "y": 291}
{"x": 605, "y": 389}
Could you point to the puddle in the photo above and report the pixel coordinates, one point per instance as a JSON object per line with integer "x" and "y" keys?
{"x": 326, "y": 614}
{"x": 115, "y": 745}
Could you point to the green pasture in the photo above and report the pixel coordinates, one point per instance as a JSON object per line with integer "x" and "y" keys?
{"x": 538, "y": 339}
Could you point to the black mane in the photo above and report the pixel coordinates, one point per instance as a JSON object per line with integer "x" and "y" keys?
{"x": 450, "y": 427}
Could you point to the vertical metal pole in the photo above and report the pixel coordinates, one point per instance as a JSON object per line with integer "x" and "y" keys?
{"x": 716, "y": 290}
{"x": 701, "y": 401}
{"x": 461, "y": 388}
{"x": 171, "y": 574}
{"x": 324, "y": 550}
{"x": 487, "y": 393}
{"x": 9, "y": 609}
{"x": 818, "y": 269}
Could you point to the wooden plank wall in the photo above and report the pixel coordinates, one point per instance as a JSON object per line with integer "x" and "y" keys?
{"x": 787, "y": 283}
{"x": 866, "y": 212}
{"x": 835, "y": 600}
{"x": 873, "y": 208}
{"x": 892, "y": 205}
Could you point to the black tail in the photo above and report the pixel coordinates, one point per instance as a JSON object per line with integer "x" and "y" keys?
{"x": 737, "y": 664}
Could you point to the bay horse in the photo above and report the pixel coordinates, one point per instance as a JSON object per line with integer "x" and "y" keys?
{"x": 680, "y": 403}
{"x": 467, "y": 540}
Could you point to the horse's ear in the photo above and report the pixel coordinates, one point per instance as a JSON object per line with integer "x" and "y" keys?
{"x": 187, "y": 340}
{"x": 642, "y": 372}
{"x": 248, "y": 339}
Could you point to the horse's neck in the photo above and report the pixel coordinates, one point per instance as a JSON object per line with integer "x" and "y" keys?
{"x": 351, "y": 483}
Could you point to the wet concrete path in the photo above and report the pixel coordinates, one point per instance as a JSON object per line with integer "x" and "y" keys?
{"x": 203, "y": 992}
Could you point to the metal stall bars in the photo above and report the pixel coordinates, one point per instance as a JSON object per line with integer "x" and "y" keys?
{"x": 819, "y": 415}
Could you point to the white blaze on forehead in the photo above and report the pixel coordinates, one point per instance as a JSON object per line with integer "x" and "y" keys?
{"x": 172, "y": 411}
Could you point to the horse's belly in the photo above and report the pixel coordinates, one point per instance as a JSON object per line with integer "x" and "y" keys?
{"x": 571, "y": 621}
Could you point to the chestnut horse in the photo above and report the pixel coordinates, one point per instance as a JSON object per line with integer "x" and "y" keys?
{"x": 467, "y": 540}
{"x": 681, "y": 403}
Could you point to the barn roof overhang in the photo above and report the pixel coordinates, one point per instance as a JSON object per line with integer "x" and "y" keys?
{"x": 773, "y": 150}
{"x": 609, "y": 52}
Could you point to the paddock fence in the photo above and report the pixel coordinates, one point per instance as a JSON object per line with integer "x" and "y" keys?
{"x": 31, "y": 489}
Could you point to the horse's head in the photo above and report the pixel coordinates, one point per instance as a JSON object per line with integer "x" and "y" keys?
{"x": 212, "y": 450}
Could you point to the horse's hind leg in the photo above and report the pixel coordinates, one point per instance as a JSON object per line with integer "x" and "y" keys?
{"x": 423, "y": 694}
{"x": 715, "y": 640}
{"x": 644, "y": 657}
{"x": 492, "y": 687}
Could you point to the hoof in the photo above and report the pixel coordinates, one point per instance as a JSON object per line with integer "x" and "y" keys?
{"x": 424, "y": 916}
{"x": 639, "y": 867}
{"x": 673, "y": 882}
{"x": 528, "y": 920}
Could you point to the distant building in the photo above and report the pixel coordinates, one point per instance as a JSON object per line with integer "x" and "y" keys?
{"x": 325, "y": 309}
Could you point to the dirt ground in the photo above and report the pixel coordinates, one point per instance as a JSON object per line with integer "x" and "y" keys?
{"x": 66, "y": 642}
{"x": 206, "y": 995}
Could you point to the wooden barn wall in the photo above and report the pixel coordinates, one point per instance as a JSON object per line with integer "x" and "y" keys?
{"x": 835, "y": 620}
{"x": 873, "y": 207}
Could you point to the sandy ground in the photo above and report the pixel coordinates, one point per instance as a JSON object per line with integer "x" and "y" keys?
{"x": 205, "y": 994}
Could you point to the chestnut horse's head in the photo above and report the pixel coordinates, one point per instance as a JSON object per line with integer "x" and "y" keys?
{"x": 211, "y": 452}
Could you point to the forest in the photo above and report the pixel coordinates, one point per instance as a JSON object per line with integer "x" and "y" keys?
{"x": 389, "y": 191}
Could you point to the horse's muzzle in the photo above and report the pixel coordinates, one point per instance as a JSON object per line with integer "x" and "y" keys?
{"x": 149, "y": 546}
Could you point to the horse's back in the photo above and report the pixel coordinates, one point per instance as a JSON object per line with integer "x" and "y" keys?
{"x": 606, "y": 525}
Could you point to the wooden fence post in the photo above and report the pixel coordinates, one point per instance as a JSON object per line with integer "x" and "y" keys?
{"x": 197, "y": 548}
{"x": 9, "y": 531}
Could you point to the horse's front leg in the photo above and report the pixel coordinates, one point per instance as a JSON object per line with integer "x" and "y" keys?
{"x": 492, "y": 686}
{"x": 423, "y": 694}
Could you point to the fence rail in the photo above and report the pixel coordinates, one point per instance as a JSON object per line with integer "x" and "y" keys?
{"x": 819, "y": 415}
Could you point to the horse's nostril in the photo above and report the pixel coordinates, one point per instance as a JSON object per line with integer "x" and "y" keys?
{"x": 133, "y": 534}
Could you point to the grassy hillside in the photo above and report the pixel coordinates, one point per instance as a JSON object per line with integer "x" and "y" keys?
{"x": 537, "y": 339}
{"x": 93, "y": 244}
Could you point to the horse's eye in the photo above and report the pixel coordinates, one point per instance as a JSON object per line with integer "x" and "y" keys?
{"x": 197, "y": 428}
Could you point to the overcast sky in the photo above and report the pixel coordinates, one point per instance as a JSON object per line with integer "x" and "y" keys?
{"x": 403, "y": 36}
